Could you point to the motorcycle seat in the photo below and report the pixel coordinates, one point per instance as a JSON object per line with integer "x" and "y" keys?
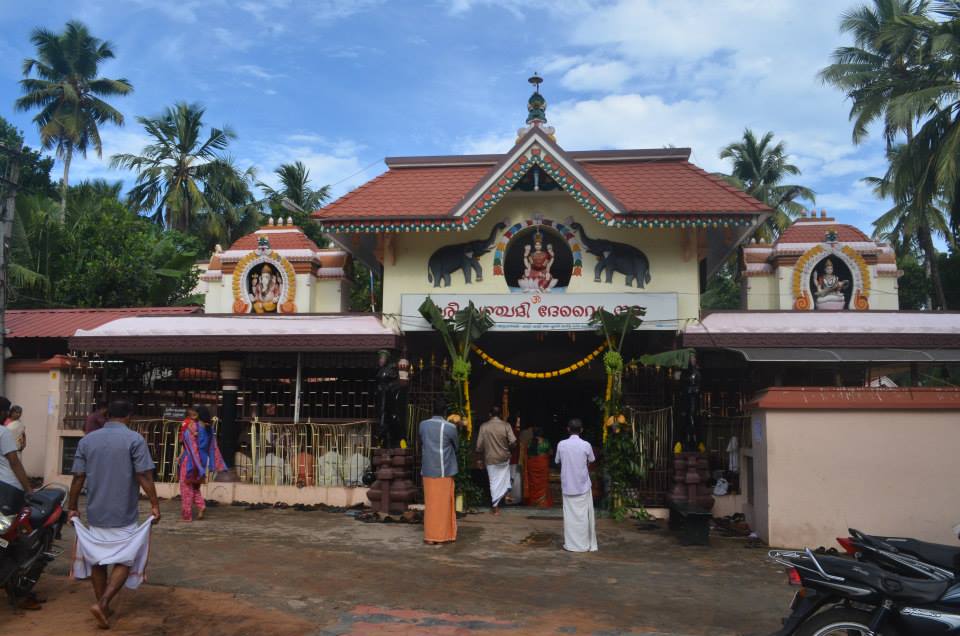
{"x": 896, "y": 587}
{"x": 42, "y": 504}
{"x": 944, "y": 556}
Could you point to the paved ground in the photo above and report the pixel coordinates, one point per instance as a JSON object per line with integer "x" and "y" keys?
{"x": 285, "y": 572}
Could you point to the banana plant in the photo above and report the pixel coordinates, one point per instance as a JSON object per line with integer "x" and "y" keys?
{"x": 458, "y": 334}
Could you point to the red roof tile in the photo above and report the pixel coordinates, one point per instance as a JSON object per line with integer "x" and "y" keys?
{"x": 814, "y": 229}
{"x": 62, "y": 323}
{"x": 661, "y": 186}
{"x": 409, "y": 192}
{"x": 281, "y": 238}
{"x": 677, "y": 187}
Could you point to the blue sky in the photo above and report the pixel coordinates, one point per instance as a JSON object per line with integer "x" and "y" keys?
{"x": 340, "y": 84}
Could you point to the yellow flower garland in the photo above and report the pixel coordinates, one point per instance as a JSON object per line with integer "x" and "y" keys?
{"x": 540, "y": 375}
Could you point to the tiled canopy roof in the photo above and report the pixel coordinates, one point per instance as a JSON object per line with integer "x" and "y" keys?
{"x": 282, "y": 237}
{"x": 637, "y": 185}
{"x": 62, "y": 323}
{"x": 813, "y": 230}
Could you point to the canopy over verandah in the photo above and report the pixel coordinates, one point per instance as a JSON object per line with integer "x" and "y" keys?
{"x": 213, "y": 333}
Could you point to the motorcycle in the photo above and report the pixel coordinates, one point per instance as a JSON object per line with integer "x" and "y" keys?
{"x": 906, "y": 556}
{"x": 840, "y": 596}
{"x": 27, "y": 535}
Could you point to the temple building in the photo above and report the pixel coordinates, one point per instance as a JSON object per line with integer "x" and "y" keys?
{"x": 817, "y": 377}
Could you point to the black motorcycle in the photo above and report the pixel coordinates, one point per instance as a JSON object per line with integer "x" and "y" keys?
{"x": 844, "y": 597}
{"x": 906, "y": 556}
{"x": 28, "y": 528}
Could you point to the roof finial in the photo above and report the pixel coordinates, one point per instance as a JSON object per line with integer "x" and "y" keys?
{"x": 536, "y": 105}
{"x": 536, "y": 80}
{"x": 536, "y": 110}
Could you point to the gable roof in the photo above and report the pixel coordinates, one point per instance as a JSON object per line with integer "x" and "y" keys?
{"x": 658, "y": 188}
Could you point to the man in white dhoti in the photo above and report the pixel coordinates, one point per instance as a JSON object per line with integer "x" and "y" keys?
{"x": 574, "y": 455}
{"x": 114, "y": 463}
{"x": 494, "y": 442}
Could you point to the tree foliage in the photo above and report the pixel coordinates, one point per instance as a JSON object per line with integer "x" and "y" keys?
{"x": 903, "y": 73}
{"x": 759, "y": 168}
{"x": 62, "y": 82}
{"x": 173, "y": 169}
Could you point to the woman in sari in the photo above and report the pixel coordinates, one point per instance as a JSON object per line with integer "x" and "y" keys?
{"x": 537, "y": 475}
{"x": 200, "y": 456}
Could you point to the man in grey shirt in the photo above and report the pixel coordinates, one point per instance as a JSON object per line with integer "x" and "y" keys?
{"x": 439, "y": 440}
{"x": 114, "y": 462}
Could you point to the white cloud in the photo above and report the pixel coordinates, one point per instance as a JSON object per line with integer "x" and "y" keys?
{"x": 593, "y": 76}
{"x": 856, "y": 201}
{"x": 255, "y": 71}
{"x": 485, "y": 145}
{"x": 230, "y": 40}
{"x": 328, "y": 10}
{"x": 331, "y": 162}
{"x": 126, "y": 140}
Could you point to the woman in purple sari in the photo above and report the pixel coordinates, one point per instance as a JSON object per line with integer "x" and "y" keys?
{"x": 200, "y": 456}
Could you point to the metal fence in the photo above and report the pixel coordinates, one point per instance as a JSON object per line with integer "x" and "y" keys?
{"x": 313, "y": 454}
{"x": 652, "y": 435}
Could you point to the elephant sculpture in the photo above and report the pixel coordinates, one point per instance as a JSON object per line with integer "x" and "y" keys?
{"x": 616, "y": 257}
{"x": 465, "y": 256}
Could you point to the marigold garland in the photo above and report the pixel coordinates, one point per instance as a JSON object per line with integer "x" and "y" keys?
{"x": 540, "y": 375}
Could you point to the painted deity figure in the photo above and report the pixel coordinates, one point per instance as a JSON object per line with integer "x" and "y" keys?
{"x": 829, "y": 289}
{"x": 537, "y": 265}
{"x": 265, "y": 290}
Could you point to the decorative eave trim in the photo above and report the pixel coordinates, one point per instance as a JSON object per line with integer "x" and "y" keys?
{"x": 234, "y": 256}
{"x": 212, "y": 276}
{"x": 538, "y": 149}
{"x": 799, "y": 248}
{"x": 667, "y": 221}
{"x": 328, "y": 273}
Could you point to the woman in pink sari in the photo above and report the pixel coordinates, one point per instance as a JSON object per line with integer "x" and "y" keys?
{"x": 200, "y": 456}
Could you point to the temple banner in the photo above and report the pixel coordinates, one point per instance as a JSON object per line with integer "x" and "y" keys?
{"x": 561, "y": 312}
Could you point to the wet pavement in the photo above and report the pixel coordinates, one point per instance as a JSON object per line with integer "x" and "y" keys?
{"x": 291, "y": 572}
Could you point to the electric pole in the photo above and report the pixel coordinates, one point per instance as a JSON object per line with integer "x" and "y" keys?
{"x": 8, "y": 204}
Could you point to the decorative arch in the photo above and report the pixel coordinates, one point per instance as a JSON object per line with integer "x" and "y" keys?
{"x": 568, "y": 235}
{"x": 803, "y": 269}
{"x": 242, "y": 301}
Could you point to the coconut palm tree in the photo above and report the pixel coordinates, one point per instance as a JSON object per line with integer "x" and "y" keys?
{"x": 759, "y": 168}
{"x": 68, "y": 93}
{"x": 881, "y": 62}
{"x": 172, "y": 169}
{"x": 915, "y": 216}
{"x": 295, "y": 186}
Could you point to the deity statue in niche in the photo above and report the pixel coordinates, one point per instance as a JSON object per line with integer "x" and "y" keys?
{"x": 831, "y": 292}
{"x": 538, "y": 265}
{"x": 265, "y": 289}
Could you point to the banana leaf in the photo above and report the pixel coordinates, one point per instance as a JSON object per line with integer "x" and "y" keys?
{"x": 469, "y": 324}
{"x": 614, "y": 327}
{"x": 679, "y": 358}
{"x": 432, "y": 314}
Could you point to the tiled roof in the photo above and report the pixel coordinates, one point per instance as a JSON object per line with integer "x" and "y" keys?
{"x": 408, "y": 192}
{"x": 282, "y": 237}
{"x": 814, "y": 229}
{"x": 420, "y": 190}
{"x": 645, "y": 187}
{"x": 62, "y": 323}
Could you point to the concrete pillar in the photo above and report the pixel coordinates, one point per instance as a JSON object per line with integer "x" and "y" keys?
{"x": 230, "y": 374}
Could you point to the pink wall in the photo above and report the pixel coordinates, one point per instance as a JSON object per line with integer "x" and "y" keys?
{"x": 882, "y": 461}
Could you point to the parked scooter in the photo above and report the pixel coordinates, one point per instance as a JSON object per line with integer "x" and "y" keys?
{"x": 843, "y": 597}
{"x": 27, "y": 537}
{"x": 904, "y": 555}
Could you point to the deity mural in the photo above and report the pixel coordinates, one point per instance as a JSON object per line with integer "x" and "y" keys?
{"x": 831, "y": 285}
{"x": 538, "y": 260}
{"x": 265, "y": 287}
